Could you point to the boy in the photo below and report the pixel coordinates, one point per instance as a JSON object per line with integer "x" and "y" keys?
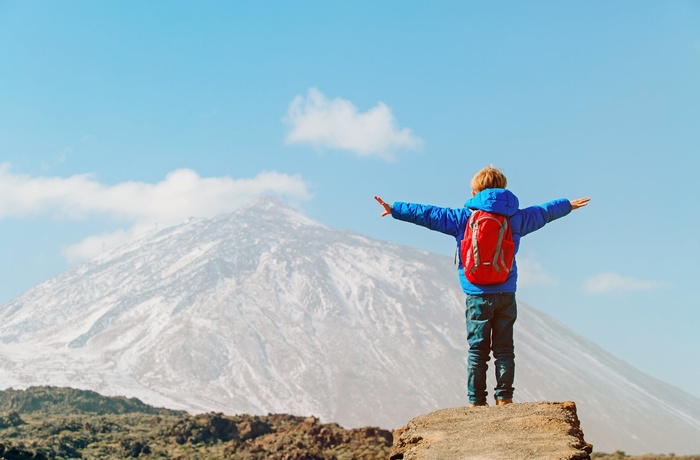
{"x": 491, "y": 308}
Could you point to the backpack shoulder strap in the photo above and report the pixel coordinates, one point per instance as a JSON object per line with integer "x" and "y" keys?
{"x": 474, "y": 224}
{"x": 501, "y": 233}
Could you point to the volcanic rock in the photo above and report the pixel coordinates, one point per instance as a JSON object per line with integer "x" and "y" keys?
{"x": 538, "y": 430}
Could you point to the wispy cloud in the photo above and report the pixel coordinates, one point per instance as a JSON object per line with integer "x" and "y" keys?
{"x": 338, "y": 124}
{"x": 531, "y": 273}
{"x": 137, "y": 205}
{"x": 609, "y": 282}
{"x": 88, "y": 138}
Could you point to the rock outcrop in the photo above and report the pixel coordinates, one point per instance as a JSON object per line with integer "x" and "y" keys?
{"x": 539, "y": 430}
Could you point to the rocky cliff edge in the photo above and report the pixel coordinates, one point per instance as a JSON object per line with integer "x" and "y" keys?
{"x": 539, "y": 430}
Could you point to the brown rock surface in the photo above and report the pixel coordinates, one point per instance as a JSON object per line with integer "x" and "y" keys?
{"x": 540, "y": 430}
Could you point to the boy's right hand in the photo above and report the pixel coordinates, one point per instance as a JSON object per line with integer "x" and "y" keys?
{"x": 387, "y": 206}
{"x": 579, "y": 203}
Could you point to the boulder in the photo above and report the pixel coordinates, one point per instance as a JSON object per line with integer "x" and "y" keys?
{"x": 538, "y": 430}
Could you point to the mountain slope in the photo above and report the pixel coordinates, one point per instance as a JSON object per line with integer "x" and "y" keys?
{"x": 264, "y": 310}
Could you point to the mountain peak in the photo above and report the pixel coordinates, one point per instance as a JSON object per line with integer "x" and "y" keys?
{"x": 274, "y": 207}
{"x": 267, "y": 202}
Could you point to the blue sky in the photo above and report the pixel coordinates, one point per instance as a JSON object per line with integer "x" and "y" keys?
{"x": 120, "y": 117}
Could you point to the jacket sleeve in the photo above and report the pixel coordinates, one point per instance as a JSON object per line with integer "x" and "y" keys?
{"x": 444, "y": 220}
{"x": 536, "y": 217}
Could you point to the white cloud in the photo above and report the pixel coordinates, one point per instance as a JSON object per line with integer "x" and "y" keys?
{"x": 137, "y": 205}
{"x": 607, "y": 282}
{"x": 337, "y": 124}
{"x": 94, "y": 245}
{"x": 531, "y": 273}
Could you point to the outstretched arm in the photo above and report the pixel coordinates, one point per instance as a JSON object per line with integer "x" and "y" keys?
{"x": 386, "y": 206}
{"x": 578, "y": 203}
{"x": 535, "y": 217}
{"x": 443, "y": 220}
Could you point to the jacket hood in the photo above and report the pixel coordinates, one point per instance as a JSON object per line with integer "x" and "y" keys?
{"x": 496, "y": 200}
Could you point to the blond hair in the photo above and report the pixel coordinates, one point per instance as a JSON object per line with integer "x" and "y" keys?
{"x": 488, "y": 178}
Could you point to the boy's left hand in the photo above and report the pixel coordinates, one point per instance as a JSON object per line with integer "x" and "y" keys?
{"x": 579, "y": 203}
{"x": 386, "y": 206}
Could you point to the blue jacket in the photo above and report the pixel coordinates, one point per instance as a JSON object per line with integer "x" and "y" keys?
{"x": 453, "y": 221}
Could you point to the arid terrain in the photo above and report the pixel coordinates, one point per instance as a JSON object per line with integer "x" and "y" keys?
{"x": 64, "y": 423}
{"x": 60, "y": 423}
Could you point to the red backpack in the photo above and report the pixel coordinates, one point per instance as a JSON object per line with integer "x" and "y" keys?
{"x": 487, "y": 248}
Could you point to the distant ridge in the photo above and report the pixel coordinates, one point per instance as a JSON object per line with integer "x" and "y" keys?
{"x": 54, "y": 400}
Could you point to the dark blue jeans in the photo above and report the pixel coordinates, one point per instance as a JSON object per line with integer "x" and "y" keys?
{"x": 490, "y": 320}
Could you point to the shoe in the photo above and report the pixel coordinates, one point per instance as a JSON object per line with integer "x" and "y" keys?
{"x": 477, "y": 405}
{"x": 503, "y": 402}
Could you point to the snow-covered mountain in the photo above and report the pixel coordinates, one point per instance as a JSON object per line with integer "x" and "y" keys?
{"x": 264, "y": 310}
